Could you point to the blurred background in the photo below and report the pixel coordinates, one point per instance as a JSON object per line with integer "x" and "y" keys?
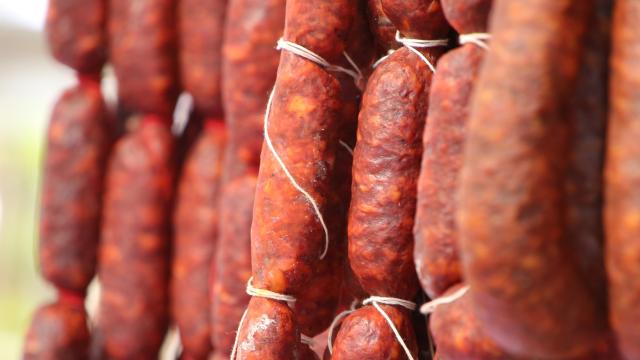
{"x": 30, "y": 82}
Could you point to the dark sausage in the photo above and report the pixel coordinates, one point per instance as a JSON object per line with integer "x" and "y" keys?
{"x": 435, "y": 231}
{"x": 200, "y": 31}
{"x": 142, "y": 49}
{"x": 526, "y": 291}
{"x": 77, "y": 145}
{"x": 232, "y": 265}
{"x": 249, "y": 64}
{"x": 195, "y": 236}
{"x": 134, "y": 259}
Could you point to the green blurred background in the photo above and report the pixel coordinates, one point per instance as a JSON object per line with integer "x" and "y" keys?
{"x": 30, "y": 81}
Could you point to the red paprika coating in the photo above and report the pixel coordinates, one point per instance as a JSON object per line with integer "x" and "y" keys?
{"x": 385, "y": 169}
{"x": 526, "y": 289}
{"x": 435, "y": 231}
{"x": 365, "y": 334}
{"x": 76, "y": 33}
{"x": 58, "y": 331}
{"x": 142, "y": 49}
{"x": 78, "y": 141}
{"x": 134, "y": 261}
{"x": 200, "y": 31}
{"x": 195, "y": 237}
{"x": 588, "y": 118}
{"x": 232, "y": 265}
{"x": 287, "y": 238}
{"x": 269, "y": 332}
{"x": 467, "y": 16}
{"x": 622, "y": 199}
{"x": 303, "y": 127}
{"x": 249, "y": 64}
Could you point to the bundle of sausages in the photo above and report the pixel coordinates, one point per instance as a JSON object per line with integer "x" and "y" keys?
{"x": 351, "y": 171}
{"x": 78, "y": 140}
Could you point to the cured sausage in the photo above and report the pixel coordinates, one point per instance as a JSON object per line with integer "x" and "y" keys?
{"x": 133, "y": 258}
{"x": 249, "y": 65}
{"x": 76, "y": 33}
{"x": 525, "y": 287}
{"x": 435, "y": 231}
{"x": 288, "y": 239}
{"x": 195, "y": 237}
{"x": 622, "y": 200}
{"x": 78, "y": 141}
{"x": 58, "y": 331}
{"x": 200, "y": 29}
{"x": 385, "y": 169}
{"x": 232, "y": 265}
{"x": 142, "y": 49}
{"x": 365, "y": 334}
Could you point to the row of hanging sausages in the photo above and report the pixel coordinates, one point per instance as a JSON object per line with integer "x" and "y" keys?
{"x": 367, "y": 161}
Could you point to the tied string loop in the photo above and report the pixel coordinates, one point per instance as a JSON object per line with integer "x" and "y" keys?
{"x": 379, "y": 61}
{"x": 432, "y": 305}
{"x": 303, "y": 52}
{"x": 478, "y": 39}
{"x": 377, "y": 300}
{"x": 412, "y": 44}
{"x": 263, "y": 293}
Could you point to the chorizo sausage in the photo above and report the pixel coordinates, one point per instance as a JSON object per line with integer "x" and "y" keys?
{"x": 365, "y": 334}
{"x": 622, "y": 199}
{"x": 200, "y": 30}
{"x": 76, "y": 33}
{"x": 232, "y": 265}
{"x": 385, "y": 169}
{"x": 142, "y": 49}
{"x": 78, "y": 141}
{"x": 133, "y": 257}
{"x": 195, "y": 237}
{"x": 287, "y": 237}
{"x": 249, "y": 66}
{"x": 526, "y": 290}
{"x": 58, "y": 331}
{"x": 435, "y": 231}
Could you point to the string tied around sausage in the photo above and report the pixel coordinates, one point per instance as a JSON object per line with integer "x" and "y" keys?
{"x": 412, "y": 44}
{"x": 383, "y": 58}
{"x": 303, "y": 52}
{"x": 409, "y": 305}
{"x": 431, "y": 306}
{"x": 263, "y": 293}
{"x": 478, "y": 39}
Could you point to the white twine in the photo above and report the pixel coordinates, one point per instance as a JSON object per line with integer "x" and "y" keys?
{"x": 376, "y": 300}
{"x": 431, "y": 306}
{"x": 479, "y": 39}
{"x": 316, "y": 209}
{"x": 379, "y": 61}
{"x": 307, "y": 340}
{"x": 337, "y": 320}
{"x": 412, "y": 44}
{"x": 346, "y": 146}
{"x": 302, "y": 51}
{"x": 263, "y": 293}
